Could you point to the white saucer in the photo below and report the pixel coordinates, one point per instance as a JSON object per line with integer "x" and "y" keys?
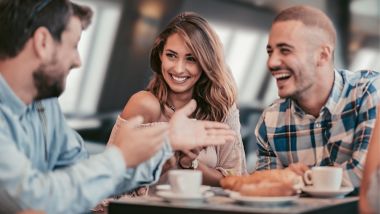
{"x": 263, "y": 201}
{"x": 166, "y": 187}
{"x": 175, "y": 197}
{"x": 327, "y": 193}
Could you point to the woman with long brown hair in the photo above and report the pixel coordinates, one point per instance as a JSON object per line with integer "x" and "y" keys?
{"x": 188, "y": 63}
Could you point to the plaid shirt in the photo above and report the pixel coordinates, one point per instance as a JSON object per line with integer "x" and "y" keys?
{"x": 339, "y": 136}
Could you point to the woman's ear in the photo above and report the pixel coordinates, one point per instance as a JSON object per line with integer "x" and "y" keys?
{"x": 43, "y": 43}
{"x": 160, "y": 55}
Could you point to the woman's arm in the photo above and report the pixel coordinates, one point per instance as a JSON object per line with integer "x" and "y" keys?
{"x": 372, "y": 164}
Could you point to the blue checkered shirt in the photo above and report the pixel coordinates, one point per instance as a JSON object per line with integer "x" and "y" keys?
{"x": 338, "y": 136}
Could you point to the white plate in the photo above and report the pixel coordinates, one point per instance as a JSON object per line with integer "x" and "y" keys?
{"x": 263, "y": 201}
{"x": 175, "y": 197}
{"x": 327, "y": 193}
{"x": 166, "y": 187}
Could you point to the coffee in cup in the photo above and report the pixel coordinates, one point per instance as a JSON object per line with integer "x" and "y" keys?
{"x": 324, "y": 177}
{"x": 185, "y": 182}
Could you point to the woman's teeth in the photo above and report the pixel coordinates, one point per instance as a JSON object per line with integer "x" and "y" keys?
{"x": 179, "y": 79}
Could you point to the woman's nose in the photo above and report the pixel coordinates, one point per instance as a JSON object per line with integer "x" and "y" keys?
{"x": 180, "y": 66}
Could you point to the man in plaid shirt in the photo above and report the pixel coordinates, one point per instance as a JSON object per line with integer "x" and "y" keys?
{"x": 324, "y": 116}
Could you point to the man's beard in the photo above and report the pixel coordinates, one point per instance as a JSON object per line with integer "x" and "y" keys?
{"x": 47, "y": 86}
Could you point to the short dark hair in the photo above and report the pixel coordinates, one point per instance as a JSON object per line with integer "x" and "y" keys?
{"x": 20, "y": 18}
{"x": 84, "y": 13}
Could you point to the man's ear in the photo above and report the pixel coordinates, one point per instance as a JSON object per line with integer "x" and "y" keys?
{"x": 43, "y": 43}
{"x": 325, "y": 55}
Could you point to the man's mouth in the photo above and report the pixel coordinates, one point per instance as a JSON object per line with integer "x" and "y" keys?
{"x": 281, "y": 76}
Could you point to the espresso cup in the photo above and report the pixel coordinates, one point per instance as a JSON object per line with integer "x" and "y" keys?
{"x": 324, "y": 177}
{"x": 185, "y": 182}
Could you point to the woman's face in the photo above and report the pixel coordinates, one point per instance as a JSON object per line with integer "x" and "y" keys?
{"x": 179, "y": 67}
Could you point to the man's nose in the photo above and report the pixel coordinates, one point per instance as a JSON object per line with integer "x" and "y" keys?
{"x": 77, "y": 61}
{"x": 273, "y": 61}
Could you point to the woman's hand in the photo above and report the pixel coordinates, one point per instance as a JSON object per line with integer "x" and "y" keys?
{"x": 186, "y": 157}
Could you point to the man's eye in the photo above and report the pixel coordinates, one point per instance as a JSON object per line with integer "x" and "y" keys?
{"x": 269, "y": 52}
{"x": 285, "y": 51}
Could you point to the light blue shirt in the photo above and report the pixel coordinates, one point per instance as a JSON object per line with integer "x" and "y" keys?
{"x": 45, "y": 166}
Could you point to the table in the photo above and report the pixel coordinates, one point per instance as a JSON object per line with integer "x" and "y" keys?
{"x": 223, "y": 205}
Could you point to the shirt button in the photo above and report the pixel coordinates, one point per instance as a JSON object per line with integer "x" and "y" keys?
{"x": 318, "y": 125}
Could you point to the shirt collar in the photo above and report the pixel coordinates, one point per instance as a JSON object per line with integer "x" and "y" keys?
{"x": 8, "y": 97}
{"x": 336, "y": 92}
{"x": 333, "y": 99}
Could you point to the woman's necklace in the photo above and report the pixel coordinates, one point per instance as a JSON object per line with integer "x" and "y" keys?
{"x": 171, "y": 107}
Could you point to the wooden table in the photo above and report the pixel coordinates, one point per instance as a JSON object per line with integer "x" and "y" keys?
{"x": 222, "y": 205}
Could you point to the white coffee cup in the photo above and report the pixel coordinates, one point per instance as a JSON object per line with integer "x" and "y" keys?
{"x": 324, "y": 177}
{"x": 185, "y": 182}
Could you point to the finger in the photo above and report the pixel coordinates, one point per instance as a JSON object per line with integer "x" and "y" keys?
{"x": 304, "y": 168}
{"x": 220, "y": 132}
{"x": 152, "y": 131}
{"x": 135, "y": 121}
{"x": 190, "y": 154}
{"x": 189, "y": 108}
{"x": 214, "y": 125}
{"x": 196, "y": 151}
{"x": 215, "y": 140}
{"x": 296, "y": 169}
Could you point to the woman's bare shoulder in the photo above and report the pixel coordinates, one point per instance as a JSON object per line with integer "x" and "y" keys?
{"x": 142, "y": 103}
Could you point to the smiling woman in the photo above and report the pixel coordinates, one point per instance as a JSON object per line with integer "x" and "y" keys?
{"x": 188, "y": 63}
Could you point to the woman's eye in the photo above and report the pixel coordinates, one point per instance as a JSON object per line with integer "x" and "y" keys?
{"x": 170, "y": 55}
{"x": 191, "y": 59}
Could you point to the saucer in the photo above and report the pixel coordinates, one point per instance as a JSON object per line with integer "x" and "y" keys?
{"x": 175, "y": 197}
{"x": 327, "y": 193}
{"x": 263, "y": 201}
{"x": 166, "y": 187}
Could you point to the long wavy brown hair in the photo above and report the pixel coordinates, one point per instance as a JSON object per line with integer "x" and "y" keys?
{"x": 215, "y": 91}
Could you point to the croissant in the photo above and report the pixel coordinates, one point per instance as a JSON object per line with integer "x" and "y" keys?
{"x": 276, "y": 177}
{"x": 267, "y": 189}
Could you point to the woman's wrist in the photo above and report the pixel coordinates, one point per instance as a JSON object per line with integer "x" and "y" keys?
{"x": 187, "y": 163}
{"x": 184, "y": 163}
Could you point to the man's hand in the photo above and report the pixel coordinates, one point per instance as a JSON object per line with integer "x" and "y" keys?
{"x": 139, "y": 144}
{"x": 186, "y": 134}
{"x": 298, "y": 168}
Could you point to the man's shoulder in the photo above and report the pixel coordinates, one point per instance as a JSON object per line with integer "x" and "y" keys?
{"x": 360, "y": 82}
{"x": 359, "y": 77}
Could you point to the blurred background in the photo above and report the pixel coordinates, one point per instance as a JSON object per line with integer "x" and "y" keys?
{"x": 115, "y": 54}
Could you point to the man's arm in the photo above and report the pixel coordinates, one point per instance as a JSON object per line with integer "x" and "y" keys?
{"x": 62, "y": 179}
{"x": 267, "y": 159}
{"x": 76, "y": 188}
{"x": 72, "y": 189}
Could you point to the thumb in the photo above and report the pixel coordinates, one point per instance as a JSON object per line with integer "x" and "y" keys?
{"x": 189, "y": 108}
{"x": 135, "y": 121}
